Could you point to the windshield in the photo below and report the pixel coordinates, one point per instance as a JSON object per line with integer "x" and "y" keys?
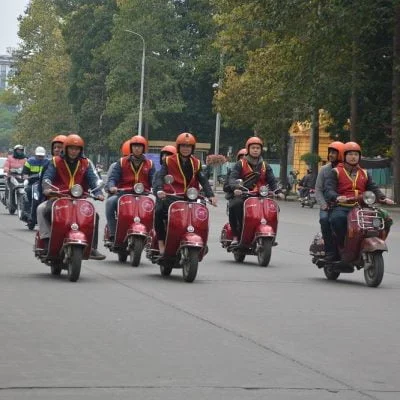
{"x": 2, "y": 161}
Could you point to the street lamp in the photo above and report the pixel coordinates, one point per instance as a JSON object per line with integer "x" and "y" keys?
{"x": 217, "y": 134}
{"x": 141, "y": 82}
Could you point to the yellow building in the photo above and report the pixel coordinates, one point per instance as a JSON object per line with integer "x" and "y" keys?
{"x": 300, "y": 133}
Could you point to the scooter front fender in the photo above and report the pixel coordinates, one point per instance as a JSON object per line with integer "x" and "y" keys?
{"x": 371, "y": 244}
{"x": 137, "y": 229}
{"x": 191, "y": 240}
{"x": 264, "y": 231}
{"x": 75, "y": 237}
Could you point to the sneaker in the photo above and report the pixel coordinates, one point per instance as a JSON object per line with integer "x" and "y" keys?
{"x": 235, "y": 241}
{"x": 96, "y": 255}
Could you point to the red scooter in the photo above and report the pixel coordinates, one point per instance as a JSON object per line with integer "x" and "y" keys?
{"x": 135, "y": 215}
{"x": 363, "y": 244}
{"x": 187, "y": 234}
{"x": 260, "y": 225}
{"x": 72, "y": 229}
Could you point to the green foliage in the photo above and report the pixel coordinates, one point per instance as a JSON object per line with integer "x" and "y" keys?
{"x": 41, "y": 70}
{"x": 311, "y": 159}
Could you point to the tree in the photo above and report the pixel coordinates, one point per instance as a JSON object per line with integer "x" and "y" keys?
{"x": 41, "y": 71}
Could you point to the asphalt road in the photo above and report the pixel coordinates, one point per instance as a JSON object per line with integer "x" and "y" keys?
{"x": 238, "y": 332}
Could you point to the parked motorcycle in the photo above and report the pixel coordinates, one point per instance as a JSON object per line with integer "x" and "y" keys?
{"x": 135, "y": 215}
{"x": 72, "y": 230}
{"x": 14, "y": 192}
{"x": 309, "y": 200}
{"x": 187, "y": 234}
{"x": 363, "y": 245}
{"x": 260, "y": 225}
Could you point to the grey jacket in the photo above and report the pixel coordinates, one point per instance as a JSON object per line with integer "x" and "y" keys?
{"x": 320, "y": 184}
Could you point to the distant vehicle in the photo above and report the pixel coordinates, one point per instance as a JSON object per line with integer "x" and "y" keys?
{"x": 2, "y": 176}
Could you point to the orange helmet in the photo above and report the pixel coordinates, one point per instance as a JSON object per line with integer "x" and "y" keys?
{"x": 254, "y": 140}
{"x": 185, "y": 138}
{"x": 241, "y": 152}
{"x": 139, "y": 140}
{"x": 339, "y": 147}
{"x": 168, "y": 149}
{"x": 73, "y": 140}
{"x": 58, "y": 139}
{"x": 351, "y": 146}
{"x": 126, "y": 148}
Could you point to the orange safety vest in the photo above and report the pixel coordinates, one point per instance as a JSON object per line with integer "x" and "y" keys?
{"x": 130, "y": 176}
{"x": 64, "y": 179}
{"x": 179, "y": 185}
{"x": 349, "y": 187}
{"x": 248, "y": 172}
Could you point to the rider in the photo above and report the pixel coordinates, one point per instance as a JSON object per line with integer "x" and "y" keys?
{"x": 186, "y": 171}
{"x": 335, "y": 156}
{"x": 306, "y": 183}
{"x": 348, "y": 180}
{"x": 69, "y": 168}
{"x": 254, "y": 172}
{"x": 226, "y": 188}
{"x": 125, "y": 151}
{"x": 32, "y": 169}
{"x": 131, "y": 169}
{"x": 15, "y": 160}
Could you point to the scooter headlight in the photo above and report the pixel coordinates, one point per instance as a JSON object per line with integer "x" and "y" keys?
{"x": 192, "y": 193}
{"x": 264, "y": 191}
{"x": 369, "y": 197}
{"x": 136, "y": 219}
{"x": 138, "y": 188}
{"x": 376, "y": 222}
{"x": 74, "y": 226}
{"x": 77, "y": 191}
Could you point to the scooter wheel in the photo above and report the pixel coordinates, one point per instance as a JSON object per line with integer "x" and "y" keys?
{"x": 330, "y": 274}
{"x": 374, "y": 274}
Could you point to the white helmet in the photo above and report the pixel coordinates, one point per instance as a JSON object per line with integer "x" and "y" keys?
{"x": 18, "y": 147}
{"x": 40, "y": 151}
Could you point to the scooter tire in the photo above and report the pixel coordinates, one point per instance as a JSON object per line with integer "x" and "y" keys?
{"x": 75, "y": 263}
{"x": 20, "y": 207}
{"x": 56, "y": 269}
{"x": 264, "y": 252}
{"x": 374, "y": 274}
{"x": 136, "y": 251}
{"x": 239, "y": 256}
{"x": 191, "y": 264}
{"x": 122, "y": 256}
{"x": 166, "y": 269}
{"x": 330, "y": 274}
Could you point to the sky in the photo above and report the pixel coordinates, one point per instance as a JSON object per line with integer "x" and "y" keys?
{"x": 10, "y": 10}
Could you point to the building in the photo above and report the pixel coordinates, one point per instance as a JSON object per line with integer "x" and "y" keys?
{"x": 5, "y": 68}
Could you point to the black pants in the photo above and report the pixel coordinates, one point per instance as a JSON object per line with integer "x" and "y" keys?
{"x": 236, "y": 215}
{"x": 161, "y": 217}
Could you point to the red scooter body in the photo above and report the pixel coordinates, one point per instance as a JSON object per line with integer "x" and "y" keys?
{"x": 135, "y": 215}
{"x": 181, "y": 216}
{"x": 186, "y": 239}
{"x": 260, "y": 226}
{"x": 363, "y": 246}
{"x": 71, "y": 237}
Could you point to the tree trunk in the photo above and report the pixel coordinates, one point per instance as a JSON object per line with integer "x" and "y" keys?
{"x": 353, "y": 98}
{"x": 396, "y": 107}
{"x": 284, "y": 157}
{"x": 314, "y": 144}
